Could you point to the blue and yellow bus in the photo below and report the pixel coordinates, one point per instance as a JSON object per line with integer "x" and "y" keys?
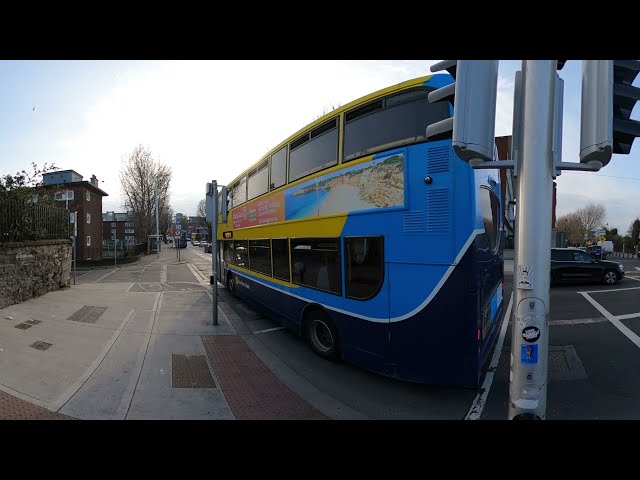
{"x": 375, "y": 245}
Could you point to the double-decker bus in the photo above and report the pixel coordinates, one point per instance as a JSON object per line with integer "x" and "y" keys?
{"x": 375, "y": 245}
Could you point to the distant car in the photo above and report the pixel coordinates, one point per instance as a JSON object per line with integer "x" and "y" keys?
{"x": 573, "y": 265}
{"x": 596, "y": 251}
{"x": 584, "y": 249}
{"x": 196, "y": 243}
{"x": 207, "y": 247}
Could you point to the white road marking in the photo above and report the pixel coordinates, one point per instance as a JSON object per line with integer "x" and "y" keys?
{"x": 626, "y": 331}
{"x": 268, "y": 330}
{"x": 612, "y": 290}
{"x": 478, "y": 403}
{"x": 577, "y": 321}
{"x": 106, "y": 275}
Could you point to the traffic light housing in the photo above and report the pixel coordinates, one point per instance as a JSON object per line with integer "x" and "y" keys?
{"x": 608, "y": 98}
{"x": 473, "y": 96}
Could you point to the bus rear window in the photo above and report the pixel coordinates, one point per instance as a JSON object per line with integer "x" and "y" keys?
{"x": 402, "y": 121}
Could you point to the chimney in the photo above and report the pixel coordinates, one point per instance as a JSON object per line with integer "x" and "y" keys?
{"x": 94, "y": 181}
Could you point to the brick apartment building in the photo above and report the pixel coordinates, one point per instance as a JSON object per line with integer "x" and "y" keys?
{"x": 85, "y": 197}
{"x": 120, "y": 226}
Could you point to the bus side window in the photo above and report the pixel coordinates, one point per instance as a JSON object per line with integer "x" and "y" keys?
{"x": 364, "y": 266}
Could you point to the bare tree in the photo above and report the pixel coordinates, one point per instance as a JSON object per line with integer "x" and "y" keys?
{"x": 201, "y": 213}
{"x": 144, "y": 179}
{"x": 571, "y": 225}
{"x": 165, "y": 219}
{"x": 326, "y": 110}
{"x": 591, "y": 217}
{"x": 634, "y": 231}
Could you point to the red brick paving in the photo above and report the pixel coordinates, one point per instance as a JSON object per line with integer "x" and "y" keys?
{"x": 12, "y": 408}
{"x": 251, "y": 389}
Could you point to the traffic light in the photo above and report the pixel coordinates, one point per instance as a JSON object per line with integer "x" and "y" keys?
{"x": 608, "y": 98}
{"x": 473, "y": 96}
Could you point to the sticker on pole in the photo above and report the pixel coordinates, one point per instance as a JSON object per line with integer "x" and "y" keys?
{"x": 525, "y": 277}
{"x": 531, "y": 334}
{"x": 528, "y": 353}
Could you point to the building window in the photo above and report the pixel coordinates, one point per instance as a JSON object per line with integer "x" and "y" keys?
{"x": 88, "y": 240}
{"x": 88, "y": 195}
{"x": 113, "y": 224}
{"x": 128, "y": 224}
{"x": 88, "y": 218}
{"x": 129, "y": 230}
{"x": 64, "y": 195}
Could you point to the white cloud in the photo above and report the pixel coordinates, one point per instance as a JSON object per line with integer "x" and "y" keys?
{"x": 211, "y": 119}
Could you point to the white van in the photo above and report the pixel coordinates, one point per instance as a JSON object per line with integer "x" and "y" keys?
{"x": 607, "y": 246}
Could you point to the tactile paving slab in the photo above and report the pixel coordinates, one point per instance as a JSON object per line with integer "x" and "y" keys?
{"x": 87, "y": 314}
{"x": 251, "y": 389}
{"x": 190, "y": 371}
{"x": 12, "y": 408}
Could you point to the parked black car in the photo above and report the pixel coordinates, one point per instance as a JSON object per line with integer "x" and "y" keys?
{"x": 573, "y": 265}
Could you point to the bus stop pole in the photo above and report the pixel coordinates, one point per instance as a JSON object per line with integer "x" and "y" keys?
{"x": 214, "y": 248}
{"x": 75, "y": 245}
{"x": 530, "y": 328}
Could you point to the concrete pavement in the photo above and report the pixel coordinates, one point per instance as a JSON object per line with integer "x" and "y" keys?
{"x": 134, "y": 342}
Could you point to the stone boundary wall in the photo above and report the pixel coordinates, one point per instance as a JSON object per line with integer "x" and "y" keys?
{"x": 32, "y": 268}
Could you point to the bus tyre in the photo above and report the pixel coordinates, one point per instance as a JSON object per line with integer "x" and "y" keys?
{"x": 610, "y": 277}
{"x": 322, "y": 335}
{"x": 231, "y": 285}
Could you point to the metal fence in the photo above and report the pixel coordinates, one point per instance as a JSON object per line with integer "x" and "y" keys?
{"x": 21, "y": 220}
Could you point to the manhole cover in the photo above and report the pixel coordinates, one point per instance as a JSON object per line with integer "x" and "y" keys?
{"x": 40, "y": 345}
{"x": 23, "y": 326}
{"x": 87, "y": 314}
{"x": 190, "y": 371}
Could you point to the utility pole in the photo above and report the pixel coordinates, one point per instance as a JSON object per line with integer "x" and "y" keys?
{"x": 157, "y": 225}
{"x": 75, "y": 244}
{"x": 212, "y": 191}
{"x": 530, "y": 330}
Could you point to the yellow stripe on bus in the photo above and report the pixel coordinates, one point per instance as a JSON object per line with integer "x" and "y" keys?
{"x": 330, "y": 226}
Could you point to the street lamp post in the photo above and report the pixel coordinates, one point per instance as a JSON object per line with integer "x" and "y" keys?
{"x": 157, "y": 225}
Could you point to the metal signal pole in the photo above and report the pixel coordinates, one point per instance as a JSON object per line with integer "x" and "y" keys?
{"x": 530, "y": 330}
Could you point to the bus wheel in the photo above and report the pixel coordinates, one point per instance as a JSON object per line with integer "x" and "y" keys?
{"x": 231, "y": 285}
{"x": 322, "y": 335}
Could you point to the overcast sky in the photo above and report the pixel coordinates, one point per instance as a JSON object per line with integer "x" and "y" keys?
{"x": 212, "y": 119}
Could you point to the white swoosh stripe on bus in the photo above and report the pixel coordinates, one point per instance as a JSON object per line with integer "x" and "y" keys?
{"x": 433, "y": 293}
